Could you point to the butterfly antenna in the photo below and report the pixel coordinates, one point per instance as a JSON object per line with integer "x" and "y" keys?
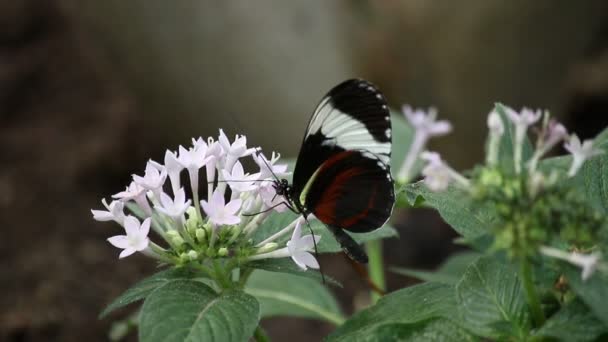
{"x": 314, "y": 241}
{"x": 258, "y": 151}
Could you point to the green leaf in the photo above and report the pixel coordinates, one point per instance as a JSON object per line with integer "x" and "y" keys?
{"x": 144, "y": 287}
{"x": 505, "y": 152}
{"x": 491, "y": 300}
{"x": 449, "y": 272}
{"x": 455, "y": 207}
{"x": 403, "y": 134}
{"x": 281, "y": 294}
{"x": 286, "y": 265}
{"x": 187, "y": 310}
{"x": 573, "y": 322}
{"x": 432, "y": 330}
{"x": 592, "y": 180}
{"x": 327, "y": 244}
{"x": 593, "y": 291}
{"x": 410, "y": 305}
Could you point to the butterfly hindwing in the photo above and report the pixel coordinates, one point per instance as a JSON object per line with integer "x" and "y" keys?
{"x": 351, "y": 191}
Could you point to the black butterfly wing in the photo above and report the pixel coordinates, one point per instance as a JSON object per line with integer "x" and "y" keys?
{"x": 351, "y": 191}
{"x": 342, "y": 174}
{"x": 352, "y": 116}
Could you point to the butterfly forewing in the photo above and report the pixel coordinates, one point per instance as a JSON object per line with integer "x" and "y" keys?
{"x": 352, "y": 116}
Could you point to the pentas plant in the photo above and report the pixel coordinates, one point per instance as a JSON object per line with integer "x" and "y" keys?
{"x": 226, "y": 242}
{"x": 537, "y": 232}
{"x": 200, "y": 233}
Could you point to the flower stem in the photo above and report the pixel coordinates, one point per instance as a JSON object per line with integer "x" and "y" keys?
{"x": 260, "y": 335}
{"x": 531, "y": 296}
{"x": 376, "y": 267}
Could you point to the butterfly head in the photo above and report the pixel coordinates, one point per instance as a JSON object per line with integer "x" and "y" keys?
{"x": 282, "y": 187}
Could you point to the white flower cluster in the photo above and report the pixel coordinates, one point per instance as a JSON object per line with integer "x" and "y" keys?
{"x": 195, "y": 229}
{"x": 438, "y": 174}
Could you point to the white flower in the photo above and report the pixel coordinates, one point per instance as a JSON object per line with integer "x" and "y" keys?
{"x": 299, "y": 248}
{"x": 220, "y": 212}
{"x": 270, "y": 198}
{"x": 193, "y": 158}
{"x": 556, "y": 133}
{"x": 136, "y": 193}
{"x": 199, "y": 143}
{"x": 173, "y": 208}
{"x": 240, "y": 181}
{"x": 425, "y": 123}
{"x": 136, "y": 239}
{"x": 114, "y": 213}
{"x": 436, "y": 173}
{"x": 526, "y": 117}
{"x": 580, "y": 152}
{"x": 521, "y": 121}
{"x": 153, "y": 179}
{"x": 237, "y": 149}
{"x": 268, "y": 169}
{"x": 495, "y": 124}
{"x": 497, "y": 129}
{"x": 174, "y": 168}
{"x": 587, "y": 262}
{"x": 425, "y": 128}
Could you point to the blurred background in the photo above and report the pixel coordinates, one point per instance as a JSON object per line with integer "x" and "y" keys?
{"x": 89, "y": 90}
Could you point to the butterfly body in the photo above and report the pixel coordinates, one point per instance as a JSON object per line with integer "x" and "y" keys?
{"x": 342, "y": 174}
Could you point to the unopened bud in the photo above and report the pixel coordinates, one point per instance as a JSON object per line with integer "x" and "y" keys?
{"x": 201, "y": 234}
{"x": 269, "y": 247}
{"x": 222, "y": 252}
{"x": 193, "y": 255}
{"x": 177, "y": 241}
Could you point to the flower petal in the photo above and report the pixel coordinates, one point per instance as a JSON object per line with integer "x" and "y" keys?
{"x": 125, "y": 253}
{"x": 233, "y": 206}
{"x": 307, "y": 259}
{"x": 119, "y": 241}
{"x": 131, "y": 225}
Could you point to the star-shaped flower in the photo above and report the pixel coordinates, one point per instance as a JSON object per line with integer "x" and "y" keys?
{"x": 193, "y": 158}
{"x": 269, "y": 196}
{"x": 525, "y": 118}
{"x": 299, "y": 248}
{"x": 137, "y": 193}
{"x": 424, "y": 121}
{"x": 220, "y": 212}
{"x": 153, "y": 179}
{"x": 239, "y": 180}
{"x": 174, "y": 168}
{"x": 268, "y": 169}
{"x": 174, "y": 208}
{"x": 237, "y": 149}
{"x": 115, "y": 212}
{"x": 580, "y": 152}
{"x": 587, "y": 262}
{"x": 437, "y": 174}
{"x": 425, "y": 128}
{"x": 136, "y": 239}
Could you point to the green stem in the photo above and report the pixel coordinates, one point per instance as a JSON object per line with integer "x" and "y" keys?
{"x": 376, "y": 267}
{"x": 220, "y": 275}
{"x": 260, "y": 335}
{"x": 531, "y": 295}
{"x": 244, "y": 276}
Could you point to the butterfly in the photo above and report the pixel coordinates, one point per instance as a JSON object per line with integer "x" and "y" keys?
{"x": 342, "y": 174}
